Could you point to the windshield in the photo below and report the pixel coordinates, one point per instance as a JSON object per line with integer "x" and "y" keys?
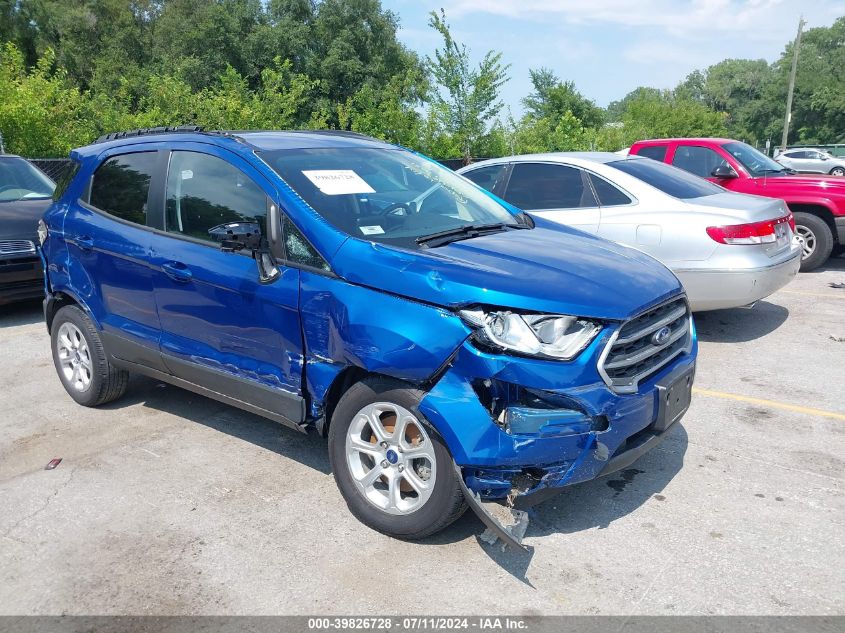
{"x": 386, "y": 195}
{"x": 670, "y": 180}
{"x": 21, "y": 181}
{"x": 754, "y": 161}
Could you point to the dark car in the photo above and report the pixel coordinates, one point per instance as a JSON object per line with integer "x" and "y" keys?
{"x": 25, "y": 193}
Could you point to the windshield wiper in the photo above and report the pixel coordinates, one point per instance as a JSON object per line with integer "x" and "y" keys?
{"x": 465, "y": 232}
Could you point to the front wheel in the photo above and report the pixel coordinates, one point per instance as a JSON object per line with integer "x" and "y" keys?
{"x": 816, "y": 240}
{"x": 837, "y": 171}
{"x": 392, "y": 468}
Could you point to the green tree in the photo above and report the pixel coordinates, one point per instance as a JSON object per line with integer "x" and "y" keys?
{"x": 41, "y": 112}
{"x": 467, "y": 98}
{"x": 553, "y": 98}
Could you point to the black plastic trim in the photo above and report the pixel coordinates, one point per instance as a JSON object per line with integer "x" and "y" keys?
{"x": 287, "y": 405}
{"x": 209, "y": 393}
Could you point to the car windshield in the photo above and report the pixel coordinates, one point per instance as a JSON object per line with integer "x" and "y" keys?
{"x": 754, "y": 161}
{"x": 670, "y": 180}
{"x": 19, "y": 180}
{"x": 387, "y": 195}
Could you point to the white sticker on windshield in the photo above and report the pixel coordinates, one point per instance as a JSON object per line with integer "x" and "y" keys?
{"x": 336, "y": 182}
{"x": 371, "y": 230}
{"x": 187, "y": 174}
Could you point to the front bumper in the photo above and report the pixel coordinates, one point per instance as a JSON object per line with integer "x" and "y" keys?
{"x": 593, "y": 432}
{"x": 21, "y": 278}
{"x": 719, "y": 289}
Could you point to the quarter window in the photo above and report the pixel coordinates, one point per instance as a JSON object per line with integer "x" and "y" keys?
{"x": 700, "y": 161}
{"x": 609, "y": 195}
{"x": 121, "y": 186}
{"x": 204, "y": 191}
{"x": 298, "y": 250}
{"x": 536, "y": 186}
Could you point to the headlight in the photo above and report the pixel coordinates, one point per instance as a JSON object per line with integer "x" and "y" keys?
{"x": 548, "y": 335}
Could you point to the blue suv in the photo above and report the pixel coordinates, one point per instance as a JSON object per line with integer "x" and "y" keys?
{"x": 454, "y": 350}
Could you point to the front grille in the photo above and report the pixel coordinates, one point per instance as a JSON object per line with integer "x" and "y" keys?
{"x": 17, "y": 247}
{"x": 631, "y": 355}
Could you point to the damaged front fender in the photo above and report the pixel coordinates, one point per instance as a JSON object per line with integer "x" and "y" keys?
{"x": 350, "y": 326}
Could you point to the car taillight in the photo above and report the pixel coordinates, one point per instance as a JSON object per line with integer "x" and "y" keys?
{"x": 753, "y": 233}
{"x": 791, "y": 220}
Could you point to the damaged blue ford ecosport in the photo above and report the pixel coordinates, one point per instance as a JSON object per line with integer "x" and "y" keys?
{"x": 454, "y": 350}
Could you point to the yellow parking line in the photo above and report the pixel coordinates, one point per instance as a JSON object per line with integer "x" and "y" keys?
{"x": 827, "y": 295}
{"x": 769, "y": 403}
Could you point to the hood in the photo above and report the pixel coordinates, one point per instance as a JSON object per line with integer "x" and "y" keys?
{"x": 824, "y": 186}
{"x": 19, "y": 219}
{"x": 550, "y": 268}
{"x": 749, "y": 207}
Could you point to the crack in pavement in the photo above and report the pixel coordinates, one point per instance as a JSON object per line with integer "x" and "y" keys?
{"x": 41, "y": 509}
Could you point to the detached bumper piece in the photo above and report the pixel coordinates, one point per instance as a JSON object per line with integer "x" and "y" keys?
{"x": 503, "y": 523}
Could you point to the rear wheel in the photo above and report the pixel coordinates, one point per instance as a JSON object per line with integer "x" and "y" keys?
{"x": 391, "y": 466}
{"x": 81, "y": 361}
{"x": 816, "y": 240}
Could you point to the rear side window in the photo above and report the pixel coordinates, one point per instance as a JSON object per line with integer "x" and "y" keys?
{"x": 486, "y": 177}
{"x": 700, "y": 161}
{"x": 121, "y": 186}
{"x": 536, "y": 186}
{"x": 655, "y": 152}
{"x": 668, "y": 179}
{"x": 204, "y": 191}
{"x": 609, "y": 195}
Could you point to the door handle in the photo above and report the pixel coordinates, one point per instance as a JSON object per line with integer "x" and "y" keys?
{"x": 177, "y": 271}
{"x": 85, "y": 242}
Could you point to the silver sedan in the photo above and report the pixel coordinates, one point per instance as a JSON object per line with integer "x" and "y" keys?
{"x": 728, "y": 249}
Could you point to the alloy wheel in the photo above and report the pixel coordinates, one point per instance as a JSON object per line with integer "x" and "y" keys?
{"x": 74, "y": 357}
{"x": 838, "y": 171}
{"x": 807, "y": 239}
{"x": 391, "y": 458}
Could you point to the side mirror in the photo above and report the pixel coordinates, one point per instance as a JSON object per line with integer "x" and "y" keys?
{"x": 235, "y": 237}
{"x": 724, "y": 171}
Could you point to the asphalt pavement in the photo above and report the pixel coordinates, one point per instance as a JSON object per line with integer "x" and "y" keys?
{"x": 169, "y": 503}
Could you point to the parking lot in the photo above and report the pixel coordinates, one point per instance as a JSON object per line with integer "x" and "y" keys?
{"x": 168, "y": 503}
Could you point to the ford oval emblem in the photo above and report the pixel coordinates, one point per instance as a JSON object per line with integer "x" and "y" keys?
{"x": 661, "y": 336}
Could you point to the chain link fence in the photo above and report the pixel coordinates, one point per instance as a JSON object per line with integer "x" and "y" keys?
{"x": 55, "y": 168}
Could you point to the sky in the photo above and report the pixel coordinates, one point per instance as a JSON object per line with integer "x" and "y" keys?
{"x": 610, "y": 47}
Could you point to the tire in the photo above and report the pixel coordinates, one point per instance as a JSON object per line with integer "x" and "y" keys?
{"x": 817, "y": 240}
{"x": 837, "y": 171}
{"x": 420, "y": 515}
{"x": 78, "y": 354}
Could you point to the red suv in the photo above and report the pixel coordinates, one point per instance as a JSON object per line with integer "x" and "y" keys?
{"x": 818, "y": 202}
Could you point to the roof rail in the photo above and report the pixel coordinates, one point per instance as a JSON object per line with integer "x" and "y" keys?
{"x": 340, "y": 133}
{"x": 168, "y": 129}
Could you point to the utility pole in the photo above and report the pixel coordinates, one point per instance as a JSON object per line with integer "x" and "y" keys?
{"x": 788, "y": 117}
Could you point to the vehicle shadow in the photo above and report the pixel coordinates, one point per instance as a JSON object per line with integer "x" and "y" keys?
{"x": 23, "y": 313}
{"x": 589, "y": 505}
{"x": 833, "y": 264}
{"x": 309, "y": 450}
{"x": 740, "y": 325}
